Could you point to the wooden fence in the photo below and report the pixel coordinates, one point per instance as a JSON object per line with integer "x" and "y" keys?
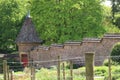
{"x": 89, "y": 67}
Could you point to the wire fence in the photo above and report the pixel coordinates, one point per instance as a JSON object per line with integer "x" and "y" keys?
{"x": 61, "y": 69}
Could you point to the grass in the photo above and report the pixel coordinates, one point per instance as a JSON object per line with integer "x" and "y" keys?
{"x": 78, "y": 74}
{"x": 1, "y": 76}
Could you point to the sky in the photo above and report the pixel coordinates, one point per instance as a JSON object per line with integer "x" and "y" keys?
{"x": 107, "y": 3}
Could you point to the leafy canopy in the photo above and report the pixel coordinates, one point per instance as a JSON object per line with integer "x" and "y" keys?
{"x": 11, "y": 15}
{"x": 60, "y": 21}
{"x": 116, "y": 12}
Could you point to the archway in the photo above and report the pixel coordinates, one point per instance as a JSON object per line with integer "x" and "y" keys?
{"x": 115, "y": 53}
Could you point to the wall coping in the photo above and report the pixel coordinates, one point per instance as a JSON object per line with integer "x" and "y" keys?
{"x": 112, "y": 35}
{"x": 78, "y": 43}
{"x": 91, "y": 40}
{"x": 72, "y": 43}
{"x": 56, "y": 45}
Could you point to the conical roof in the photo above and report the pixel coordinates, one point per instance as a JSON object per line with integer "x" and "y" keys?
{"x": 28, "y": 33}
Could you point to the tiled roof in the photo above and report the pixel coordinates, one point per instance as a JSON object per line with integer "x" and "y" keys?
{"x": 28, "y": 33}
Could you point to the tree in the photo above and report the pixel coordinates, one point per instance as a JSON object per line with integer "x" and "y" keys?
{"x": 11, "y": 15}
{"x": 62, "y": 20}
{"x": 116, "y": 12}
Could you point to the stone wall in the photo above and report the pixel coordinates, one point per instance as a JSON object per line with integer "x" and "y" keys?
{"x": 102, "y": 48}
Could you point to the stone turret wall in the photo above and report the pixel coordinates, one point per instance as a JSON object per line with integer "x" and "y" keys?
{"x": 102, "y": 48}
{"x": 24, "y": 47}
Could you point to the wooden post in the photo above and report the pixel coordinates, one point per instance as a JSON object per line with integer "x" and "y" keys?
{"x": 32, "y": 71}
{"x": 109, "y": 63}
{"x": 89, "y": 64}
{"x": 8, "y": 73}
{"x": 63, "y": 71}
{"x": 5, "y": 69}
{"x": 11, "y": 75}
{"x": 71, "y": 70}
{"x": 58, "y": 68}
{"x": 29, "y": 59}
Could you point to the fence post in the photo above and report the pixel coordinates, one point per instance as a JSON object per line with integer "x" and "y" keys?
{"x": 89, "y": 64}
{"x": 11, "y": 75}
{"x": 8, "y": 73}
{"x": 71, "y": 70}
{"x": 109, "y": 65}
{"x": 32, "y": 71}
{"x": 63, "y": 71}
{"x": 58, "y": 68}
{"x": 5, "y": 69}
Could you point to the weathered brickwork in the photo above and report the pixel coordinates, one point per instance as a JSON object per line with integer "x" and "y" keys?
{"x": 102, "y": 48}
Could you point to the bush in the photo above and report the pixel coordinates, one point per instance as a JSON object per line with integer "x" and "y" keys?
{"x": 115, "y": 70}
{"x": 116, "y": 53}
{"x": 105, "y": 63}
{"x": 75, "y": 65}
{"x": 101, "y": 71}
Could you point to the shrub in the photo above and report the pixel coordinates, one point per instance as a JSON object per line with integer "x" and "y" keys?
{"x": 115, "y": 73}
{"x": 101, "y": 71}
{"x": 75, "y": 65}
{"x": 105, "y": 63}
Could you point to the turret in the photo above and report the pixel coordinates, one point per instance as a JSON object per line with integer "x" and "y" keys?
{"x": 27, "y": 38}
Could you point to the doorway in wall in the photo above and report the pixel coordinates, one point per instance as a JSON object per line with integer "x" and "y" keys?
{"x": 24, "y": 59}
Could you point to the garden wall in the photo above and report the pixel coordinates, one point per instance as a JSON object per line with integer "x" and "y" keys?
{"x": 102, "y": 48}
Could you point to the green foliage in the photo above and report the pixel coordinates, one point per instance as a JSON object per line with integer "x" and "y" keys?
{"x": 115, "y": 73}
{"x": 108, "y": 26}
{"x": 117, "y": 22}
{"x": 78, "y": 74}
{"x": 48, "y": 74}
{"x": 60, "y": 21}
{"x": 17, "y": 66}
{"x": 116, "y": 12}
{"x": 11, "y": 15}
{"x": 106, "y": 63}
{"x": 116, "y": 52}
{"x": 67, "y": 65}
{"x": 56, "y": 21}
{"x": 101, "y": 71}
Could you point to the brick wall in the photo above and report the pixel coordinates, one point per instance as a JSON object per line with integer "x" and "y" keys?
{"x": 102, "y": 48}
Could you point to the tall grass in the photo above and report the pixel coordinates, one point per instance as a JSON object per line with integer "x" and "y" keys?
{"x": 101, "y": 73}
